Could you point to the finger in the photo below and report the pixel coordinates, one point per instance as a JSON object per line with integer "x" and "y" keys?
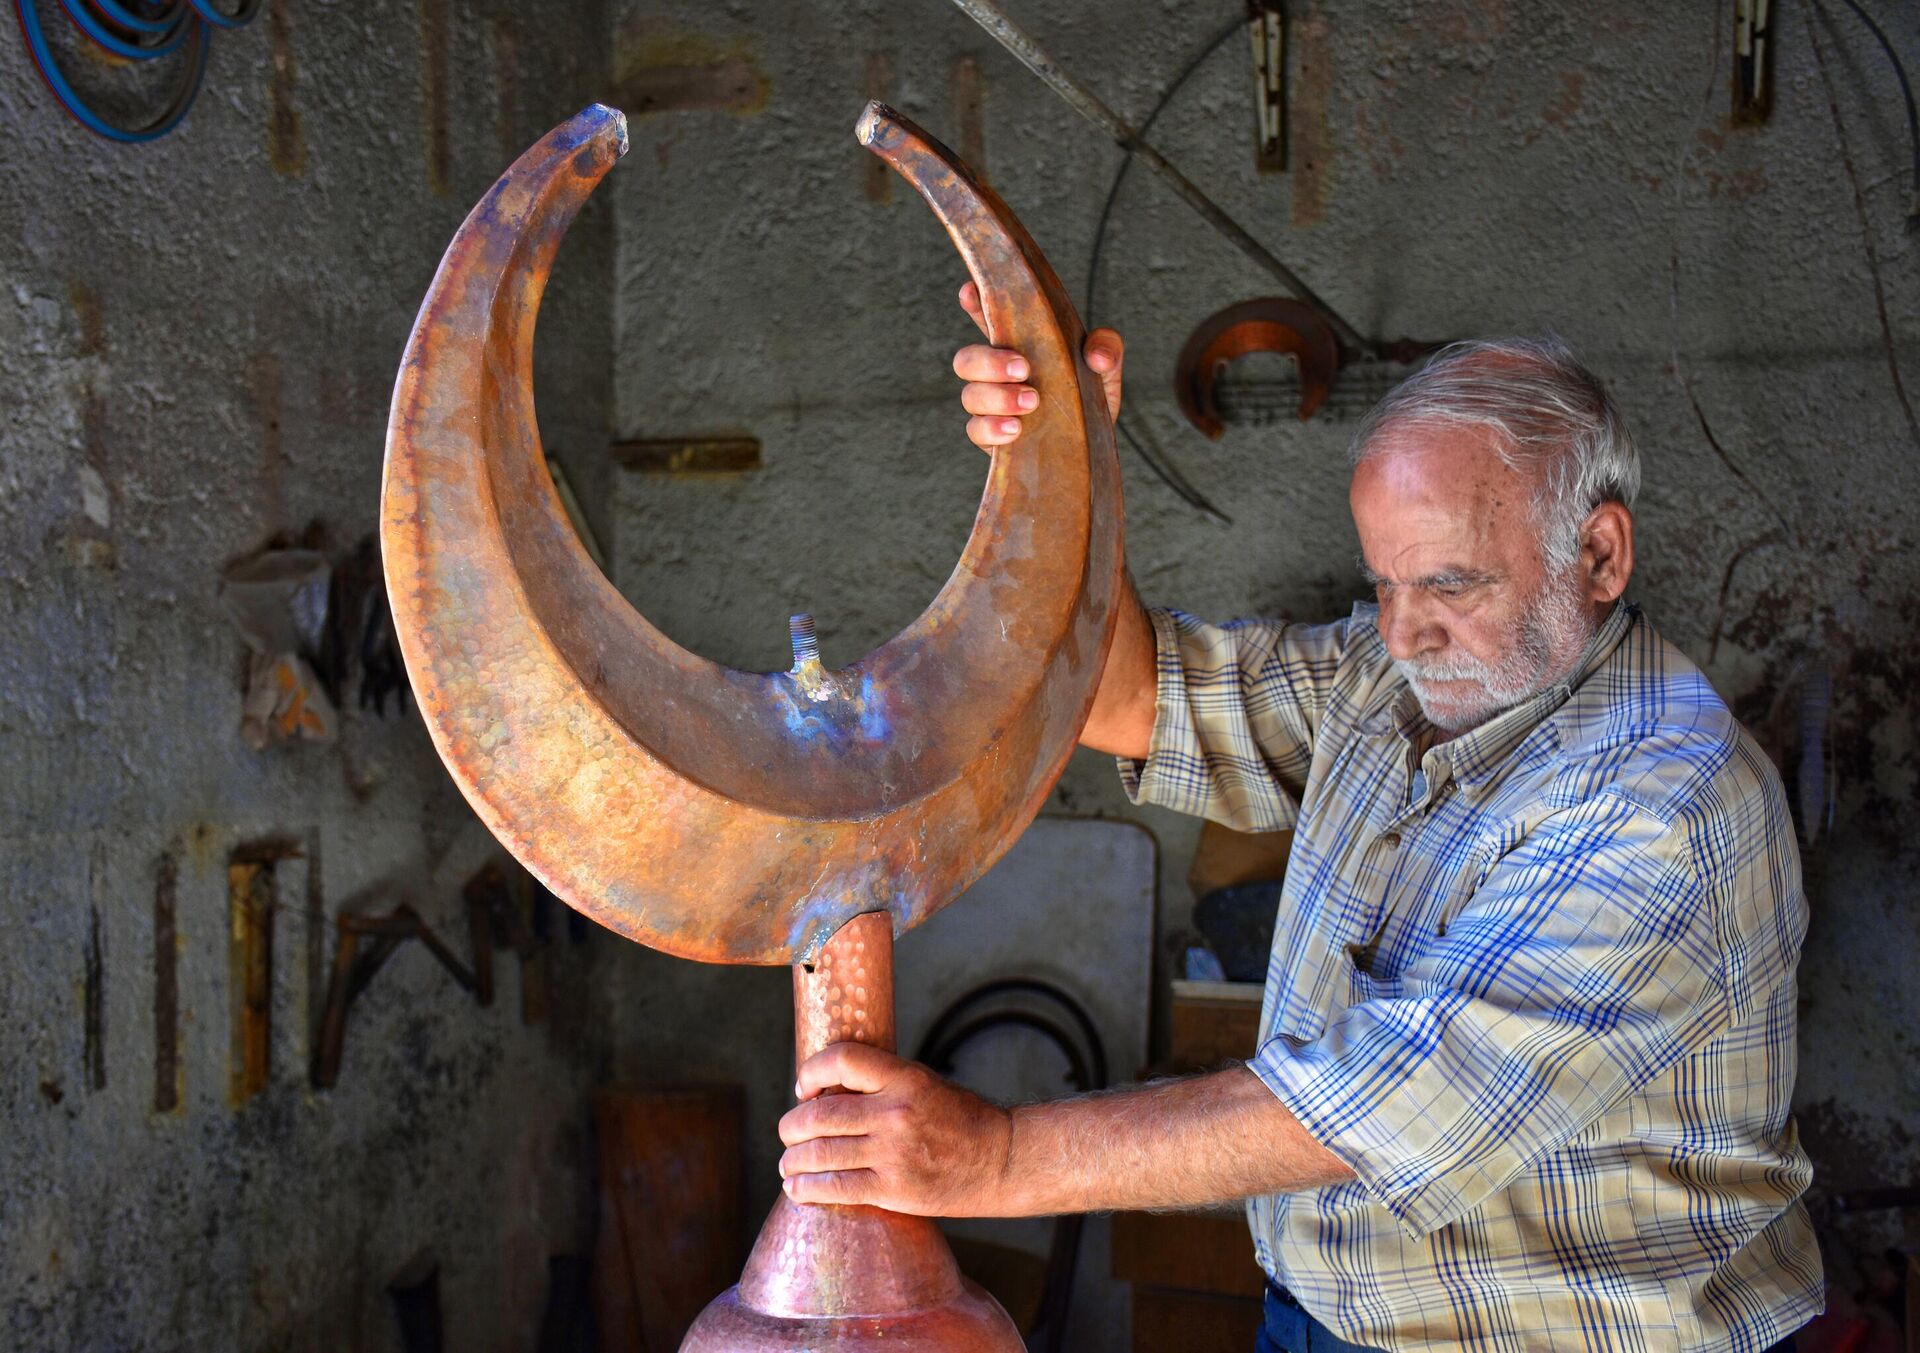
{"x": 1106, "y": 352}
{"x": 834, "y": 1186}
{"x": 824, "y": 1155}
{"x": 826, "y": 1116}
{"x": 852, "y": 1066}
{"x": 991, "y": 398}
{"x": 980, "y": 362}
{"x": 970, "y": 302}
{"x": 987, "y": 433}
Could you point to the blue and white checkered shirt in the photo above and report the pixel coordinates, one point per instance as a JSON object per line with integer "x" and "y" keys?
{"x": 1542, "y": 1003}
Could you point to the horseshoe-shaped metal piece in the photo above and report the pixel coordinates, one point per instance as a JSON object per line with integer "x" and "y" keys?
{"x": 1269, "y": 324}
{"x": 723, "y": 815}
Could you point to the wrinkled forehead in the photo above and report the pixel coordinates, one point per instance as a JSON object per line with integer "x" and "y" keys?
{"x": 1432, "y": 494}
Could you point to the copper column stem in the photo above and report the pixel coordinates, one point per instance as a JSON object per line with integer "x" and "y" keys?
{"x": 846, "y": 994}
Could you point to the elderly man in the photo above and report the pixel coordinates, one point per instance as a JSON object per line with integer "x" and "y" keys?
{"x": 1528, "y": 1037}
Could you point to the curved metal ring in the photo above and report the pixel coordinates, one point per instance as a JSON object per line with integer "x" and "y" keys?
{"x": 724, "y": 815}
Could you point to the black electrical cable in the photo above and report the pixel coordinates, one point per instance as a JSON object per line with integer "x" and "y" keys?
{"x": 1087, "y": 1070}
{"x": 1126, "y": 160}
{"x": 1166, "y": 473}
{"x": 1906, "y": 94}
{"x": 1027, "y": 986}
{"x": 939, "y": 1055}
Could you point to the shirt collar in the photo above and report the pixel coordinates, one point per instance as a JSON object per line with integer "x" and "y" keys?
{"x": 1478, "y": 753}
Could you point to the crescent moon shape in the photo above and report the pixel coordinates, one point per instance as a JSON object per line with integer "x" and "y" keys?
{"x": 716, "y": 814}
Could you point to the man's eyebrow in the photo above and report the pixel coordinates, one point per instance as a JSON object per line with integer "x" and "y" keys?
{"x": 1453, "y": 576}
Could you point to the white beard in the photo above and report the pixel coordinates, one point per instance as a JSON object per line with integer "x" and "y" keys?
{"x": 1542, "y": 649}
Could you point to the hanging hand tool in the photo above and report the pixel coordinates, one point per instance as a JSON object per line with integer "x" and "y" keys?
{"x": 354, "y": 970}
{"x": 1752, "y": 60}
{"x": 1267, "y": 28}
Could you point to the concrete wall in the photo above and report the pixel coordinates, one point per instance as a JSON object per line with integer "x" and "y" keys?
{"x": 1460, "y": 168}
{"x": 198, "y": 340}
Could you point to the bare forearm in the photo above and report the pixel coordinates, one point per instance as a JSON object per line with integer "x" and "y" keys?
{"x": 1184, "y": 1143}
{"x": 1123, "y": 708}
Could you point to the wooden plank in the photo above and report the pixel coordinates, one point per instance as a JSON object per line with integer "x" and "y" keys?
{"x": 1166, "y": 1321}
{"x": 1225, "y": 857}
{"x": 688, "y": 455}
{"x": 733, "y": 84}
{"x": 670, "y": 1235}
{"x": 1213, "y": 1023}
{"x": 1194, "y": 1251}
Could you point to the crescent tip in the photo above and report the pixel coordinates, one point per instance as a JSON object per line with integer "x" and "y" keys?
{"x": 879, "y": 125}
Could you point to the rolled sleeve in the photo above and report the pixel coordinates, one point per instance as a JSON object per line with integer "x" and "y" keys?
{"x": 1235, "y": 711}
{"x": 1587, "y": 964}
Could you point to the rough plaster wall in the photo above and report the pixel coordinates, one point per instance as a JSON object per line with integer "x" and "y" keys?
{"x": 1460, "y": 168}
{"x": 196, "y": 355}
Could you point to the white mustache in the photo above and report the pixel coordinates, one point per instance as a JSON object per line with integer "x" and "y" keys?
{"x": 1460, "y": 669}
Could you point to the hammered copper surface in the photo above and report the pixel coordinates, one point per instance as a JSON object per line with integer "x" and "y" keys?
{"x": 824, "y": 1276}
{"x": 846, "y": 994}
{"x": 717, "y": 814}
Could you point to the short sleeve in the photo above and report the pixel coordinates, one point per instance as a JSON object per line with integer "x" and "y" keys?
{"x": 1586, "y": 964}
{"x": 1236, "y": 710}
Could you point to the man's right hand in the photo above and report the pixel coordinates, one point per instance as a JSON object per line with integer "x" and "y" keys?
{"x": 996, "y": 394}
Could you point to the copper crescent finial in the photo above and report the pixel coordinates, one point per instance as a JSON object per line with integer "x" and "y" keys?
{"x": 723, "y": 815}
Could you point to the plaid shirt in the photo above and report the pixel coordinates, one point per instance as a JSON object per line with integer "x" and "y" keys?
{"x": 1541, "y": 1002}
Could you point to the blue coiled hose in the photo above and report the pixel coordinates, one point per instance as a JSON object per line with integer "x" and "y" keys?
{"x": 119, "y": 28}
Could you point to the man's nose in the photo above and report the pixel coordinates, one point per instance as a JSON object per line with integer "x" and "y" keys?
{"x": 1405, "y": 628}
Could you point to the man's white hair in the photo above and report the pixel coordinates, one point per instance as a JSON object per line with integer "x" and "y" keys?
{"x": 1552, "y": 418}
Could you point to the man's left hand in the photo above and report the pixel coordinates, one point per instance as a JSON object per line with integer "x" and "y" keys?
{"x": 904, "y": 1139}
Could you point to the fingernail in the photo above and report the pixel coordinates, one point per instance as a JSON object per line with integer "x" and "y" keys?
{"x": 796, "y": 1089}
{"x": 1028, "y": 399}
{"x": 1017, "y": 368}
{"x": 1010, "y": 426}
{"x": 786, "y": 1187}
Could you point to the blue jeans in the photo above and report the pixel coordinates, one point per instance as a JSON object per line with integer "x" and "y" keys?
{"x": 1289, "y": 1329}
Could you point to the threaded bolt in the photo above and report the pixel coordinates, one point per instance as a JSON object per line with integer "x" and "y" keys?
{"x": 806, "y": 645}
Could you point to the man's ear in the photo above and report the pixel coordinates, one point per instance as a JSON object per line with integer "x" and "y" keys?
{"x": 1606, "y": 552}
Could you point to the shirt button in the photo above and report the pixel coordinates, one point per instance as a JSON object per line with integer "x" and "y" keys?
{"x": 1391, "y": 840}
